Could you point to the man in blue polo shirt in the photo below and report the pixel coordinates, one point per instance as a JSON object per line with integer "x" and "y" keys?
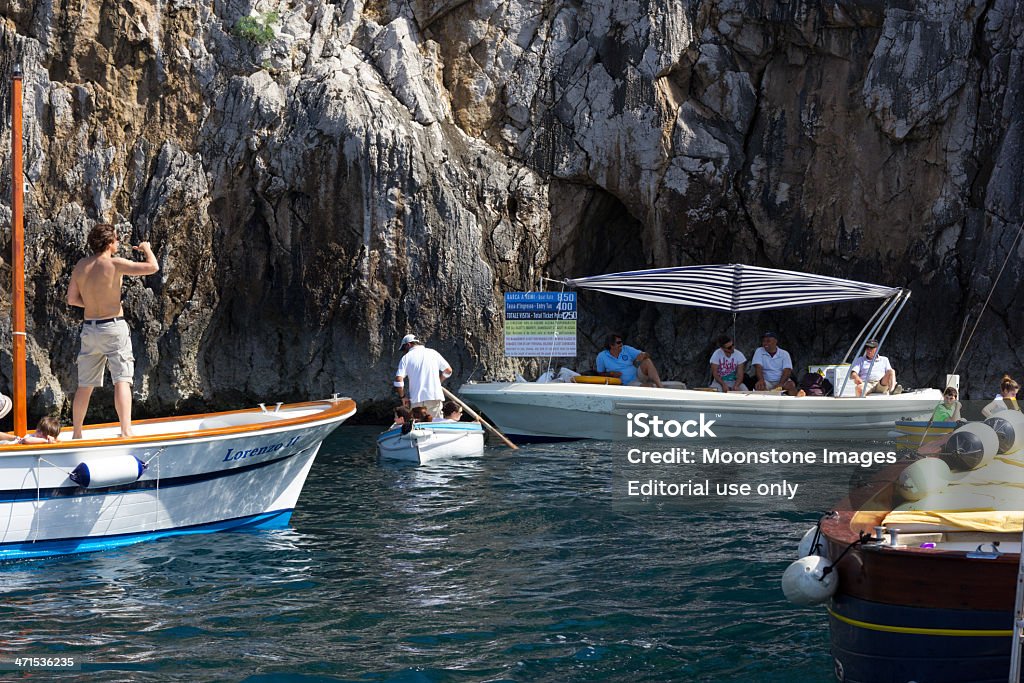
{"x": 632, "y": 366}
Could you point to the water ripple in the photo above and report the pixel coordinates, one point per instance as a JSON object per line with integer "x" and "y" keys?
{"x": 515, "y": 567}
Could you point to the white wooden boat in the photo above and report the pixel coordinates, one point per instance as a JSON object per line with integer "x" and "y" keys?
{"x": 530, "y": 411}
{"x": 526, "y": 411}
{"x": 177, "y": 475}
{"x": 196, "y": 474}
{"x": 428, "y": 441}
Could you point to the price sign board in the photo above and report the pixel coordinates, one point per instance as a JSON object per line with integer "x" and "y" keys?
{"x": 540, "y": 324}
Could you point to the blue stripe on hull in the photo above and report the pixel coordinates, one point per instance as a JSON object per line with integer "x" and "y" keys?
{"x": 865, "y": 655}
{"x": 531, "y": 438}
{"x": 277, "y": 519}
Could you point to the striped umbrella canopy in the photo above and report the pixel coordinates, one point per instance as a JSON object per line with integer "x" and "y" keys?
{"x": 732, "y": 287}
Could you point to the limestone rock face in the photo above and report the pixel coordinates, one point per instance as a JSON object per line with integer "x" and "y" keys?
{"x": 318, "y": 179}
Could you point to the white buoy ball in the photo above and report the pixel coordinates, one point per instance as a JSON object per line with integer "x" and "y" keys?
{"x": 802, "y": 582}
{"x": 805, "y": 549}
{"x": 923, "y": 478}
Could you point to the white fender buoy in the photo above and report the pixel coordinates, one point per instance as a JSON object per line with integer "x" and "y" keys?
{"x": 803, "y": 584}
{"x": 107, "y": 470}
{"x": 970, "y": 447}
{"x": 922, "y": 478}
{"x": 1009, "y": 426}
{"x": 805, "y": 549}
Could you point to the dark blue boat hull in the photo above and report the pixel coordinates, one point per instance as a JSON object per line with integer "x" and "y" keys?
{"x": 879, "y": 643}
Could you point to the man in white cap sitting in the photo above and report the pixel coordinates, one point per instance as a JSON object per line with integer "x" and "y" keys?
{"x": 426, "y": 369}
{"x": 872, "y": 373}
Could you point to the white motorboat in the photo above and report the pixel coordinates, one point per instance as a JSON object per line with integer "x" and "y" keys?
{"x": 555, "y": 410}
{"x": 176, "y": 475}
{"x": 427, "y": 441}
{"x": 195, "y": 474}
{"x": 526, "y": 411}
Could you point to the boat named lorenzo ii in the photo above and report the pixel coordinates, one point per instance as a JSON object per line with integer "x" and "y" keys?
{"x": 220, "y": 471}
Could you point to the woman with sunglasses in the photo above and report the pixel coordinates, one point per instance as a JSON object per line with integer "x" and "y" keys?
{"x": 727, "y": 363}
{"x": 949, "y": 409}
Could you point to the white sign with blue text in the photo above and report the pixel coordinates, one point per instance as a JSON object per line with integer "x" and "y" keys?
{"x": 540, "y": 324}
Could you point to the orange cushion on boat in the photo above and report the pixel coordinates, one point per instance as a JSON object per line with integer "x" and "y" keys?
{"x": 596, "y": 379}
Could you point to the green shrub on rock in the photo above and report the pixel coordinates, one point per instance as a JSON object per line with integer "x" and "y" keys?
{"x": 258, "y": 30}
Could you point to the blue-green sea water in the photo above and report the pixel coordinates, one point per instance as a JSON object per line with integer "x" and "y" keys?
{"x": 517, "y": 566}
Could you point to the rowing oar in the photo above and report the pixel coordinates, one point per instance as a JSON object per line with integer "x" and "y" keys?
{"x": 482, "y": 421}
{"x": 923, "y": 436}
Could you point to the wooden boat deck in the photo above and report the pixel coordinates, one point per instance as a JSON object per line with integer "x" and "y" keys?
{"x": 199, "y": 425}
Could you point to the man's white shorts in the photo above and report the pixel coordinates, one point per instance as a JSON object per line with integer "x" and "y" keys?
{"x": 102, "y": 344}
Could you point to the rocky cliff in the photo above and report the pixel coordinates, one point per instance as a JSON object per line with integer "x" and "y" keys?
{"x": 320, "y": 178}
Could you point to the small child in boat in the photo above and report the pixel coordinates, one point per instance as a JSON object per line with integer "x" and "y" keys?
{"x": 949, "y": 409}
{"x": 402, "y": 416}
{"x": 47, "y": 430}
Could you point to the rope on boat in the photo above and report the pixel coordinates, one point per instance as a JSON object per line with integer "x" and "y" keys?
{"x": 155, "y": 456}
{"x": 39, "y": 499}
{"x": 964, "y": 345}
{"x": 832, "y": 567}
{"x": 1009, "y": 253}
{"x": 861, "y": 539}
{"x": 816, "y": 539}
{"x": 156, "y": 500}
{"x": 42, "y": 459}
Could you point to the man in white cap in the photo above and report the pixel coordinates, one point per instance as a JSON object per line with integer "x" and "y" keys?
{"x": 872, "y": 373}
{"x": 426, "y": 369}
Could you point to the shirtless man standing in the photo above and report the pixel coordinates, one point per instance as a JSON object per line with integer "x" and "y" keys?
{"x": 96, "y": 287}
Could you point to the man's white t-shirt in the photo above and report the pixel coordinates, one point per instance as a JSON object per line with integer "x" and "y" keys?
{"x": 423, "y": 367}
{"x": 862, "y": 364}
